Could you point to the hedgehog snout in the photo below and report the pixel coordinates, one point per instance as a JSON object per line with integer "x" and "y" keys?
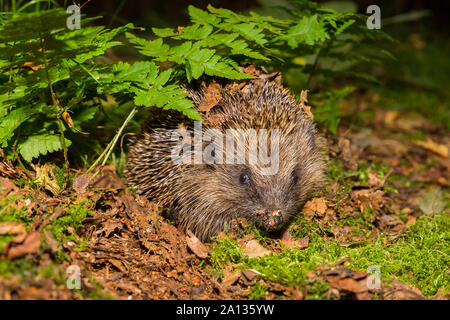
{"x": 270, "y": 220}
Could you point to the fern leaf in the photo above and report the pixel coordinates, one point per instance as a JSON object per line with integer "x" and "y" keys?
{"x": 41, "y": 144}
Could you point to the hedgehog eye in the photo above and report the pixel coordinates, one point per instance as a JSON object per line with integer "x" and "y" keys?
{"x": 244, "y": 178}
{"x": 294, "y": 177}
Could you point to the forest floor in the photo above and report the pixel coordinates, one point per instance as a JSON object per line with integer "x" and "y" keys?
{"x": 383, "y": 215}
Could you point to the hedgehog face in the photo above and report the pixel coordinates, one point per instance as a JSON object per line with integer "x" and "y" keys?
{"x": 271, "y": 201}
{"x": 220, "y": 192}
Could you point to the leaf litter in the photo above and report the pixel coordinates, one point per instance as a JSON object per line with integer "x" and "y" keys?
{"x": 125, "y": 249}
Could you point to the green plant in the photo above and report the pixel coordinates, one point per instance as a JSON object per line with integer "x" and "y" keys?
{"x": 226, "y": 251}
{"x": 54, "y": 81}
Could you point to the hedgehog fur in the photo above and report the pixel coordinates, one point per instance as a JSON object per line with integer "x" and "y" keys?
{"x": 204, "y": 198}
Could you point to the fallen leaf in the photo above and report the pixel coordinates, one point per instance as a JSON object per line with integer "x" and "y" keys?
{"x": 250, "y": 275}
{"x": 390, "y": 117}
{"x": 411, "y": 220}
{"x": 253, "y": 249}
{"x": 374, "y": 180}
{"x": 9, "y": 227}
{"x": 211, "y": 97}
{"x": 345, "y": 281}
{"x": 30, "y": 245}
{"x": 80, "y": 183}
{"x": 109, "y": 227}
{"x": 196, "y": 246}
{"x": 7, "y": 187}
{"x": 316, "y": 206}
{"x": 46, "y": 179}
{"x": 368, "y": 198}
{"x": 432, "y": 202}
{"x": 403, "y": 291}
{"x": 311, "y": 275}
{"x": 231, "y": 278}
{"x": 287, "y": 240}
{"x": 439, "y": 149}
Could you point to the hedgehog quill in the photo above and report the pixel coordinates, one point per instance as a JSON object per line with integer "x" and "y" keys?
{"x": 204, "y": 196}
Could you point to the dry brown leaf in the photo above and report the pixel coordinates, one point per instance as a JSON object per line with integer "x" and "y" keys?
{"x": 344, "y": 281}
{"x": 403, "y": 291}
{"x": 196, "y": 246}
{"x": 211, "y": 97}
{"x": 80, "y": 183}
{"x": 439, "y": 149}
{"x": 253, "y": 249}
{"x": 250, "y": 275}
{"x": 374, "y": 180}
{"x": 316, "y": 206}
{"x": 9, "y": 227}
{"x": 390, "y": 117}
{"x": 230, "y": 278}
{"x": 411, "y": 220}
{"x": 30, "y": 245}
{"x": 368, "y": 198}
{"x": 286, "y": 239}
{"x": 7, "y": 187}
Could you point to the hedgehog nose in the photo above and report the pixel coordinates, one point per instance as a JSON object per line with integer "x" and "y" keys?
{"x": 276, "y": 217}
{"x": 270, "y": 220}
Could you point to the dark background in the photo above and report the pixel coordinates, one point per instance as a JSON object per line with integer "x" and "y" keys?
{"x": 170, "y": 12}
{"x": 415, "y": 80}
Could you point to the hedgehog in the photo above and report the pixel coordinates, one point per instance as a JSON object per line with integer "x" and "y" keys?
{"x": 208, "y": 196}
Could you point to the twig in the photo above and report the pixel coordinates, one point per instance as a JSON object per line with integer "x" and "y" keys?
{"x": 27, "y": 173}
{"x": 109, "y": 148}
{"x": 324, "y": 251}
{"x": 316, "y": 61}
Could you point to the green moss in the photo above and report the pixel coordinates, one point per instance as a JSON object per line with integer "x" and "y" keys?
{"x": 4, "y": 240}
{"x": 419, "y": 257}
{"x": 227, "y": 251}
{"x": 60, "y": 176}
{"x": 287, "y": 267}
{"x": 20, "y": 267}
{"x": 9, "y": 210}
{"x": 75, "y": 214}
{"x": 257, "y": 291}
{"x": 21, "y": 183}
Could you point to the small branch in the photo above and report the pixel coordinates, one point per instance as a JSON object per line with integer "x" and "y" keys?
{"x": 109, "y": 148}
{"x": 316, "y": 61}
{"x": 27, "y": 173}
{"x": 324, "y": 253}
